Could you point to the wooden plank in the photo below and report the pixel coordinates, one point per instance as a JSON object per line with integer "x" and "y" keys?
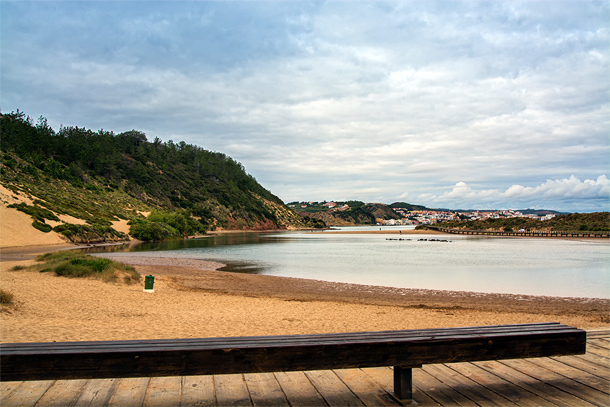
{"x": 334, "y": 391}
{"x": 598, "y": 333}
{"x": 565, "y": 379}
{"x": 26, "y": 394}
{"x": 299, "y": 391}
{"x": 367, "y": 390}
{"x": 231, "y": 390}
{"x": 129, "y": 392}
{"x": 198, "y": 391}
{"x": 7, "y": 388}
{"x": 551, "y": 394}
{"x": 498, "y": 385}
{"x": 576, "y": 370}
{"x": 163, "y": 391}
{"x": 591, "y": 358}
{"x": 598, "y": 350}
{"x": 265, "y": 390}
{"x": 599, "y": 341}
{"x": 62, "y": 393}
{"x": 438, "y": 391}
{"x": 591, "y": 363}
{"x": 466, "y": 386}
{"x": 97, "y": 392}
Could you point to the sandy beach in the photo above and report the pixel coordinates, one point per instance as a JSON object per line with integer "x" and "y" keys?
{"x": 191, "y": 299}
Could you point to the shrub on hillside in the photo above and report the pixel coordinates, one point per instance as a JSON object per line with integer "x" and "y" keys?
{"x": 43, "y": 227}
{"x": 166, "y": 225}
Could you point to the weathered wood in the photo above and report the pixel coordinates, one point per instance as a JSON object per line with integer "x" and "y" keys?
{"x": 499, "y": 385}
{"x": 119, "y": 359}
{"x": 365, "y": 388}
{"x": 569, "y": 386}
{"x": 596, "y": 348}
{"x": 197, "y": 391}
{"x": 299, "y": 390}
{"x": 439, "y": 391}
{"x": 129, "y": 392}
{"x": 26, "y": 394}
{"x": 7, "y": 388}
{"x": 231, "y": 390}
{"x": 332, "y": 389}
{"x": 97, "y": 392}
{"x": 552, "y": 395}
{"x": 264, "y": 390}
{"x": 62, "y": 391}
{"x": 467, "y": 386}
{"x": 565, "y": 379}
{"x": 163, "y": 391}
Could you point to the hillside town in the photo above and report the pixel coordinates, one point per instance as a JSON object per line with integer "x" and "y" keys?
{"x": 426, "y": 217}
{"x": 408, "y": 216}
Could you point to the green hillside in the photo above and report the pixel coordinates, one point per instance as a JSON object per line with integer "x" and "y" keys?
{"x": 350, "y": 213}
{"x": 101, "y": 177}
{"x": 573, "y": 222}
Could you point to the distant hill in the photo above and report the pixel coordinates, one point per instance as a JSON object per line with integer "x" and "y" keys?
{"x": 357, "y": 213}
{"x": 100, "y": 177}
{"x": 591, "y": 222}
{"x": 408, "y": 206}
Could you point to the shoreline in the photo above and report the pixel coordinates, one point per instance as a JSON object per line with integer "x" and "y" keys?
{"x": 202, "y": 275}
{"x": 192, "y": 299}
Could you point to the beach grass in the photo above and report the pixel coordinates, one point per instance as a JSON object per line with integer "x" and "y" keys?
{"x": 6, "y": 297}
{"x": 74, "y": 264}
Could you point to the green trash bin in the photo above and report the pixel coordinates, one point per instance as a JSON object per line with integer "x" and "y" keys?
{"x": 149, "y": 282}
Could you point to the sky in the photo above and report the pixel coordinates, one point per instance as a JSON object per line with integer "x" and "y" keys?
{"x": 448, "y": 104}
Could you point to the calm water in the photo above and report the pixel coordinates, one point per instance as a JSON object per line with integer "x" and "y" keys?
{"x": 566, "y": 268}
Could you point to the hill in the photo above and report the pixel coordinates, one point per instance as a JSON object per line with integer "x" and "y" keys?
{"x": 592, "y": 222}
{"x": 345, "y": 213}
{"x": 81, "y": 184}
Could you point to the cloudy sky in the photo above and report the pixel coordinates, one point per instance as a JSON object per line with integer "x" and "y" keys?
{"x": 459, "y": 104}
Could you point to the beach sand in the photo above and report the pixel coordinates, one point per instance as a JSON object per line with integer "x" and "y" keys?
{"x": 191, "y": 299}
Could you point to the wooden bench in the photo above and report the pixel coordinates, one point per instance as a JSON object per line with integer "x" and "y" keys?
{"x": 182, "y": 357}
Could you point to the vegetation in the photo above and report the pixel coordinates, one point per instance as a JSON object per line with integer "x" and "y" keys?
{"x": 408, "y": 206}
{"x": 102, "y": 177}
{"x": 77, "y": 264}
{"x": 358, "y": 213}
{"x": 592, "y": 222}
{"x": 164, "y": 225}
{"x": 6, "y": 297}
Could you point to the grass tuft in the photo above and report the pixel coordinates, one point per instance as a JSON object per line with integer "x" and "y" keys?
{"x": 6, "y": 297}
{"x": 75, "y": 264}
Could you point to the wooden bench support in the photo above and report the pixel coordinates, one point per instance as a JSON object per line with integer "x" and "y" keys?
{"x": 403, "y": 382}
{"x": 257, "y": 354}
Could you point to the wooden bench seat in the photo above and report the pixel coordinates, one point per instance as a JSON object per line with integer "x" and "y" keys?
{"x": 205, "y": 356}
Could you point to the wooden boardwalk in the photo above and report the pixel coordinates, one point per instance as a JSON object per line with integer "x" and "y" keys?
{"x": 561, "y": 381}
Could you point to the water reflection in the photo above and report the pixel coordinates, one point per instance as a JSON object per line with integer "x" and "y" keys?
{"x": 518, "y": 266}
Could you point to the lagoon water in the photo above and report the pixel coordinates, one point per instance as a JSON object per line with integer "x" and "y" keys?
{"x": 552, "y": 267}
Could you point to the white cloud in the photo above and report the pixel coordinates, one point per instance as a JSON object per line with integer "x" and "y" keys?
{"x": 368, "y": 99}
{"x": 564, "y": 190}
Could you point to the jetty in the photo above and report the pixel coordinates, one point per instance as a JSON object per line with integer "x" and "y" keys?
{"x": 579, "y": 234}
